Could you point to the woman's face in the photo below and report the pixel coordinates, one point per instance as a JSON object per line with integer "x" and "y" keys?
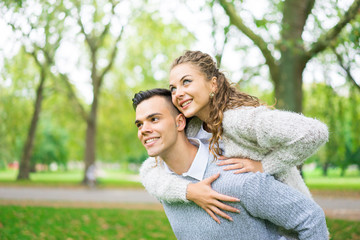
{"x": 190, "y": 90}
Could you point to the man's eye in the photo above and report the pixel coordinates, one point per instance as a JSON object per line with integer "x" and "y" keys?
{"x": 138, "y": 125}
{"x": 154, "y": 119}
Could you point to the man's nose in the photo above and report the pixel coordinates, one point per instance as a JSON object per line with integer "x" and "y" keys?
{"x": 146, "y": 128}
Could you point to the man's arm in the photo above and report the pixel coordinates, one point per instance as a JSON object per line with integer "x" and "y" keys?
{"x": 266, "y": 198}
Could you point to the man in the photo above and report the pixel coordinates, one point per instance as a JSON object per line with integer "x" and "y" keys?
{"x": 265, "y": 205}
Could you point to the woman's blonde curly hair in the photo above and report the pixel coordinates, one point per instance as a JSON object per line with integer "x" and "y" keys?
{"x": 226, "y": 96}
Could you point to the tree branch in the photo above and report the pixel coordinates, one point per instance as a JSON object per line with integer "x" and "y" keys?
{"x": 309, "y": 7}
{"x": 88, "y": 38}
{"x": 326, "y": 39}
{"x": 112, "y": 57}
{"x": 346, "y": 69}
{"x": 107, "y": 26}
{"x": 73, "y": 96}
{"x": 237, "y": 21}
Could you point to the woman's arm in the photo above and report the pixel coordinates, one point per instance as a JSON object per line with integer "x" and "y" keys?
{"x": 162, "y": 185}
{"x": 170, "y": 188}
{"x": 291, "y": 137}
{"x": 288, "y": 137}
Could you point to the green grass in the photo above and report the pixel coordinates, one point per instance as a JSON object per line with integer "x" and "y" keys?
{"x": 69, "y": 223}
{"x": 343, "y": 230}
{"x": 119, "y": 179}
{"x": 315, "y": 181}
{"x": 69, "y": 178}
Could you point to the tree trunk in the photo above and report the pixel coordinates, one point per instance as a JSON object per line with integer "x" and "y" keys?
{"x": 288, "y": 87}
{"x": 90, "y": 146}
{"x": 24, "y": 170}
{"x": 288, "y": 90}
{"x": 325, "y": 168}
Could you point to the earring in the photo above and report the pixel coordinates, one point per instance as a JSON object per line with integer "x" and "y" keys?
{"x": 211, "y": 95}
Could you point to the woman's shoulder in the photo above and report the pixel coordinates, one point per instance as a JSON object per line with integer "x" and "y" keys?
{"x": 244, "y": 112}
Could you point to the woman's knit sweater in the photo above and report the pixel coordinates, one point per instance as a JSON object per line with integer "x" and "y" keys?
{"x": 281, "y": 140}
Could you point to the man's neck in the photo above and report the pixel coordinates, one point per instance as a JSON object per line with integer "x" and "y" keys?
{"x": 180, "y": 157}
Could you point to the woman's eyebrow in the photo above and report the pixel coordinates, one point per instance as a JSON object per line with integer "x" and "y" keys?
{"x": 170, "y": 85}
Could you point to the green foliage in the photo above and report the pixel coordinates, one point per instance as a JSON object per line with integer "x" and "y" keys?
{"x": 70, "y": 223}
{"x": 50, "y": 145}
{"x": 18, "y": 78}
{"x": 144, "y": 64}
{"x": 340, "y": 113}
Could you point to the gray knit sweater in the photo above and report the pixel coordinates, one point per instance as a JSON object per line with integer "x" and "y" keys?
{"x": 280, "y": 139}
{"x": 266, "y": 205}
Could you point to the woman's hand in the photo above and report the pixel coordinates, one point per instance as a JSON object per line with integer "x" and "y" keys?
{"x": 204, "y": 196}
{"x": 242, "y": 165}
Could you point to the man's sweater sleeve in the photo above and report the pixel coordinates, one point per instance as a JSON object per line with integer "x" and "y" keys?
{"x": 266, "y": 198}
{"x": 162, "y": 185}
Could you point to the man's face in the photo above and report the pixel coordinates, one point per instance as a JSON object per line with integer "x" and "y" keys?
{"x": 156, "y": 125}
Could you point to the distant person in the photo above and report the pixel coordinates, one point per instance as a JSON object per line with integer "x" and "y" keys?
{"x": 252, "y": 136}
{"x": 266, "y": 204}
{"x": 91, "y": 176}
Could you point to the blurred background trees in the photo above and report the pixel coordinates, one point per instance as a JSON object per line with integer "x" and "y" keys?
{"x": 69, "y": 69}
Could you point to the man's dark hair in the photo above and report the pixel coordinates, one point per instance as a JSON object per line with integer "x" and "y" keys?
{"x": 143, "y": 95}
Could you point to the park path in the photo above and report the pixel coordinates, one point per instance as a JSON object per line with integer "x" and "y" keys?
{"x": 334, "y": 207}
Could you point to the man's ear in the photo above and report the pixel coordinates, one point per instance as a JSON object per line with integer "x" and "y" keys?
{"x": 180, "y": 122}
{"x": 214, "y": 84}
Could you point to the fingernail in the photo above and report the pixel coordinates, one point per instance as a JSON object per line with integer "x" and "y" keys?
{"x": 231, "y": 219}
{"x": 238, "y": 211}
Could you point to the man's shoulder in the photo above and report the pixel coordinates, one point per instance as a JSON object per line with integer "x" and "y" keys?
{"x": 239, "y": 182}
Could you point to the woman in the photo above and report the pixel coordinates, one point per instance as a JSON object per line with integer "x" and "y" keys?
{"x": 236, "y": 123}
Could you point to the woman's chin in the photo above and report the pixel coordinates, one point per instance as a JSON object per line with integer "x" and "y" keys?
{"x": 188, "y": 114}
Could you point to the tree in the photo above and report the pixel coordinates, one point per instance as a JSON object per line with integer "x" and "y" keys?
{"x": 144, "y": 64}
{"x": 286, "y": 71}
{"x": 95, "y": 21}
{"x": 39, "y": 42}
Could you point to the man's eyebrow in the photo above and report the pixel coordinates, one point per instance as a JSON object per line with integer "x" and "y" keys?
{"x": 149, "y": 116}
{"x": 153, "y": 114}
{"x": 181, "y": 79}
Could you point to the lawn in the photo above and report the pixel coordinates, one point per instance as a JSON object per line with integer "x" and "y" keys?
{"x": 120, "y": 179}
{"x": 110, "y": 178}
{"x": 70, "y": 223}
{"x": 315, "y": 181}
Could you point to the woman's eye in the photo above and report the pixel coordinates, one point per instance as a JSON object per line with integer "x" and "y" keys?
{"x": 186, "y": 82}
{"x": 172, "y": 89}
{"x": 138, "y": 125}
{"x": 154, "y": 119}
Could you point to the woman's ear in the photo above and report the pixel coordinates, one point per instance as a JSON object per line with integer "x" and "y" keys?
{"x": 214, "y": 84}
{"x": 180, "y": 122}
